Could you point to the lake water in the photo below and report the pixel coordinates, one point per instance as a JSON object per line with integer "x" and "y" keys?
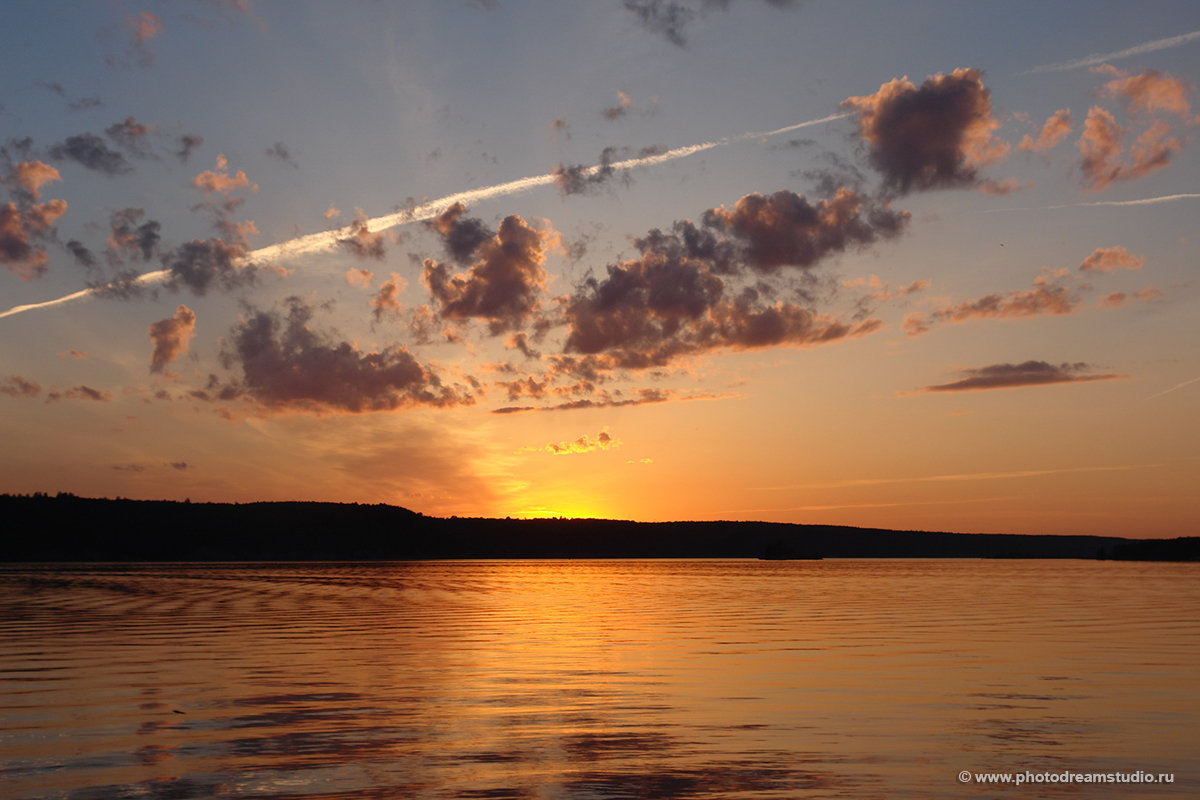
{"x": 610, "y": 679}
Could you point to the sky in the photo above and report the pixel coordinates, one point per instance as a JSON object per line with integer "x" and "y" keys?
{"x": 921, "y": 266}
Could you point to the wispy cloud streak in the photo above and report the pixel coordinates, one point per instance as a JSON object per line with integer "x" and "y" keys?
{"x": 1100, "y": 58}
{"x": 328, "y": 240}
{"x": 1173, "y": 388}
{"x": 1145, "y": 201}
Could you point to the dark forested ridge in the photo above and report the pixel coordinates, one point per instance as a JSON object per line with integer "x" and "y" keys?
{"x": 68, "y": 528}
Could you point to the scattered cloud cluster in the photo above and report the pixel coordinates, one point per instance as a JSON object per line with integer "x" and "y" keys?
{"x": 584, "y": 444}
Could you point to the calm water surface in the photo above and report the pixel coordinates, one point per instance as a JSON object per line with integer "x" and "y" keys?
{"x": 613, "y": 679}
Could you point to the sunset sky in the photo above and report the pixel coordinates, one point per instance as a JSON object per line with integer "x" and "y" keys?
{"x": 910, "y": 265}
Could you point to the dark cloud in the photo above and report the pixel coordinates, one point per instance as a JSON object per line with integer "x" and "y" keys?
{"x": 580, "y": 178}
{"x": 502, "y": 287}
{"x": 620, "y": 109}
{"x": 84, "y": 103}
{"x": 131, "y": 135}
{"x": 89, "y": 151}
{"x": 1029, "y": 373}
{"x": 204, "y": 263}
{"x": 171, "y": 337}
{"x": 285, "y": 364}
{"x": 17, "y": 386}
{"x": 83, "y": 256}
{"x": 83, "y": 393}
{"x": 670, "y": 18}
{"x": 280, "y": 151}
{"x": 131, "y": 237}
{"x": 187, "y": 143}
{"x": 460, "y": 235}
{"x": 179, "y": 465}
{"x": 786, "y": 229}
{"x": 934, "y": 136}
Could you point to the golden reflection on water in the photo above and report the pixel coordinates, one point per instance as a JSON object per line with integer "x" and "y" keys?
{"x": 580, "y": 679}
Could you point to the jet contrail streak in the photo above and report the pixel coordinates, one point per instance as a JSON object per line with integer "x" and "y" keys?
{"x": 328, "y": 240}
{"x": 1145, "y": 201}
{"x": 1100, "y": 58}
{"x": 1173, "y": 388}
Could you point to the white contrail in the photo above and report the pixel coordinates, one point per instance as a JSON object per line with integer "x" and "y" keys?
{"x": 1173, "y": 388}
{"x": 1145, "y": 201}
{"x": 1100, "y": 58}
{"x": 328, "y": 240}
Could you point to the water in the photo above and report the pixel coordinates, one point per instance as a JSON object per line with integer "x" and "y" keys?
{"x": 614, "y": 679}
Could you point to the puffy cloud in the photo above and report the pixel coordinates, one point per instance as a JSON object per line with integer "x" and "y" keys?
{"x": 460, "y": 235}
{"x": 934, "y": 136}
{"x": 1048, "y": 296}
{"x": 219, "y": 180}
{"x": 141, "y": 28}
{"x": 287, "y": 365}
{"x": 17, "y": 386}
{"x": 388, "y": 298}
{"x": 83, "y": 256}
{"x": 81, "y": 393}
{"x": 130, "y": 236}
{"x": 1101, "y": 145}
{"x": 786, "y": 229}
{"x": 280, "y": 151}
{"x": 203, "y": 263}
{"x": 584, "y": 444}
{"x": 31, "y": 176}
{"x": 331, "y": 212}
{"x": 171, "y": 337}
{"x": 502, "y": 287}
{"x": 362, "y": 243}
{"x": 1057, "y": 128}
{"x": 579, "y": 178}
{"x": 20, "y": 228}
{"x": 1111, "y": 259}
{"x": 1149, "y": 92}
{"x": 1029, "y": 373}
{"x": 89, "y": 151}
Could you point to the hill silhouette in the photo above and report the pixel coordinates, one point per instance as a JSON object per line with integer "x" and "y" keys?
{"x": 65, "y": 527}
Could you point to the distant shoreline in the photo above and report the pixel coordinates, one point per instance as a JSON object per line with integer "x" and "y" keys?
{"x": 67, "y": 528}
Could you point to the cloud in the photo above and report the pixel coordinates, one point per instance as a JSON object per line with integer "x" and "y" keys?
{"x": 620, "y": 109}
{"x": 388, "y": 298}
{"x": 131, "y": 135}
{"x": 359, "y": 277}
{"x": 1029, "y": 373}
{"x": 19, "y": 229}
{"x": 204, "y": 263}
{"x": 219, "y": 180}
{"x": 1136, "y": 50}
{"x": 935, "y": 136}
{"x": 131, "y": 237}
{"x": 31, "y": 176}
{"x": 17, "y": 386}
{"x": 1046, "y": 297}
{"x": 286, "y": 365}
{"x": 142, "y": 28}
{"x": 1057, "y": 128}
{"x": 362, "y": 243}
{"x": 80, "y": 393}
{"x": 1111, "y": 259}
{"x": 1119, "y": 299}
{"x": 1148, "y": 93}
{"x": 332, "y": 212}
{"x": 584, "y": 444}
{"x": 579, "y": 179}
{"x": 1003, "y": 187}
{"x": 89, "y": 151}
{"x": 460, "y": 235}
{"x": 187, "y": 143}
{"x": 82, "y": 255}
{"x": 171, "y": 337}
{"x": 502, "y": 287}
{"x": 786, "y": 229}
{"x": 670, "y": 18}
{"x": 1101, "y": 145}
{"x": 280, "y": 151}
